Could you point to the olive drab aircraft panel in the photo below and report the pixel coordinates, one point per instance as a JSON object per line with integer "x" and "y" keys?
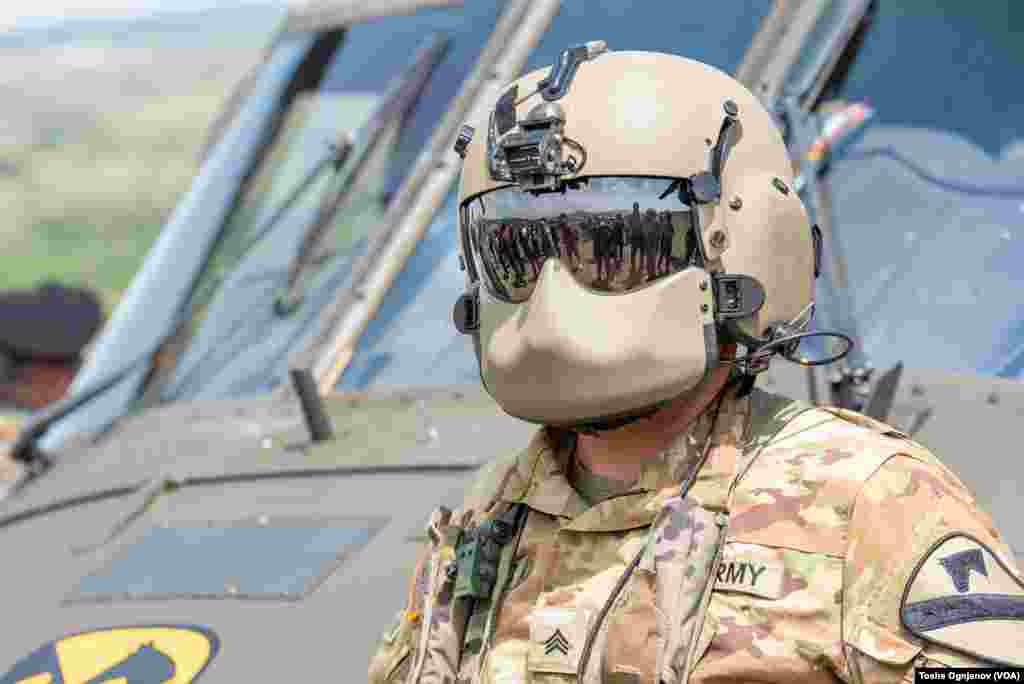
{"x": 248, "y": 474}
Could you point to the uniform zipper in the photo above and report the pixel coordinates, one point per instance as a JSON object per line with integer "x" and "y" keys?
{"x": 722, "y": 520}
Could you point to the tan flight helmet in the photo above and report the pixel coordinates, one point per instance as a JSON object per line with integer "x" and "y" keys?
{"x": 574, "y": 356}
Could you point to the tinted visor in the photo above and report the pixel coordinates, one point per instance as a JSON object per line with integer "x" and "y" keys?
{"x": 614, "y": 234}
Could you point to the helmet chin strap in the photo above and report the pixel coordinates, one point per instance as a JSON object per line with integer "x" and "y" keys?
{"x": 598, "y": 426}
{"x": 608, "y": 424}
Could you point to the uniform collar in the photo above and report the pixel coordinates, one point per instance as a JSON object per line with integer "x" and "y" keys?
{"x": 540, "y": 477}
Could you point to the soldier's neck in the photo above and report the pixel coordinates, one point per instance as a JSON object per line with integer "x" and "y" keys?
{"x": 620, "y": 454}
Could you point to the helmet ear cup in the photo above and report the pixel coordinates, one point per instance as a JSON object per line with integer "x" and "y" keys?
{"x": 466, "y": 317}
{"x": 466, "y": 314}
{"x": 771, "y": 241}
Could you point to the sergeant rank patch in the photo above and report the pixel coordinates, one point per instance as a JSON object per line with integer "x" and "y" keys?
{"x": 963, "y": 596}
{"x": 557, "y": 635}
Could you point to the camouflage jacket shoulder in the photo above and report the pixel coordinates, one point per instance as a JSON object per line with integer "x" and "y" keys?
{"x": 843, "y": 490}
{"x": 802, "y": 470}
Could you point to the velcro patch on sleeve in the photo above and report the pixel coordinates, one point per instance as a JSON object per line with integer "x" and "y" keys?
{"x": 963, "y": 596}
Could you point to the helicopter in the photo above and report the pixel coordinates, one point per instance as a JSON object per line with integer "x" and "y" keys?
{"x": 237, "y": 483}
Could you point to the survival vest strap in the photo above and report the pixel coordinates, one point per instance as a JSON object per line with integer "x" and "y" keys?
{"x": 498, "y": 565}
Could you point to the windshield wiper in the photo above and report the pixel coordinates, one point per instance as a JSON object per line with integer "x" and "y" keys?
{"x": 336, "y": 157}
{"x": 398, "y": 102}
{"x": 25, "y": 452}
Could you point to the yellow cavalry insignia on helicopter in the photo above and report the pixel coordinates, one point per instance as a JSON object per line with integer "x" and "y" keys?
{"x": 139, "y": 655}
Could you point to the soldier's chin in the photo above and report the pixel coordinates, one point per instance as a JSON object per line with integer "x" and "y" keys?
{"x": 679, "y": 412}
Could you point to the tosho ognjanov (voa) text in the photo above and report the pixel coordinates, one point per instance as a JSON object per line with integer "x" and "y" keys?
{"x": 969, "y": 674}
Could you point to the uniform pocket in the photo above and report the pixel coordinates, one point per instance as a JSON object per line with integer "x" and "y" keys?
{"x": 879, "y": 655}
{"x": 883, "y": 645}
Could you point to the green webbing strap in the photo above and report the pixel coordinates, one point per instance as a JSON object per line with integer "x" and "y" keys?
{"x": 484, "y": 610}
{"x": 508, "y": 554}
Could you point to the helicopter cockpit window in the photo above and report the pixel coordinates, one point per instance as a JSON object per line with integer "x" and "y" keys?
{"x": 237, "y": 337}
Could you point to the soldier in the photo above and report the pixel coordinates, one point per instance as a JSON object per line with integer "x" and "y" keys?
{"x": 588, "y": 231}
{"x": 637, "y": 239}
{"x": 570, "y": 240}
{"x": 495, "y": 249}
{"x": 652, "y": 244}
{"x": 668, "y": 234}
{"x": 526, "y": 248}
{"x": 507, "y": 245}
{"x": 670, "y": 522}
{"x": 603, "y": 250}
{"x": 537, "y": 252}
{"x": 619, "y": 240}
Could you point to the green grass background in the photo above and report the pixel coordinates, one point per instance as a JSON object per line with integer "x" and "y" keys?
{"x": 100, "y": 134}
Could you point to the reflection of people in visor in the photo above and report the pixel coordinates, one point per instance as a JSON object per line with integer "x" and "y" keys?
{"x": 592, "y": 244}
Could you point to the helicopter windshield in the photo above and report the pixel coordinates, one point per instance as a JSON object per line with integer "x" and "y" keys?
{"x": 200, "y": 317}
{"x": 239, "y": 341}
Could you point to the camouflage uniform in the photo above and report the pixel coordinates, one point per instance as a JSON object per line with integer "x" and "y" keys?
{"x": 811, "y": 524}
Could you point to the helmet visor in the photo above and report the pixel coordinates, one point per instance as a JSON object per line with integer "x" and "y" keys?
{"x": 615, "y": 234}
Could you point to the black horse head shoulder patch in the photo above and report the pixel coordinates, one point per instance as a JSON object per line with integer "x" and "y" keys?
{"x": 964, "y": 596}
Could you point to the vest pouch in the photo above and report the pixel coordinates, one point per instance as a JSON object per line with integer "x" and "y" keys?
{"x": 390, "y": 663}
